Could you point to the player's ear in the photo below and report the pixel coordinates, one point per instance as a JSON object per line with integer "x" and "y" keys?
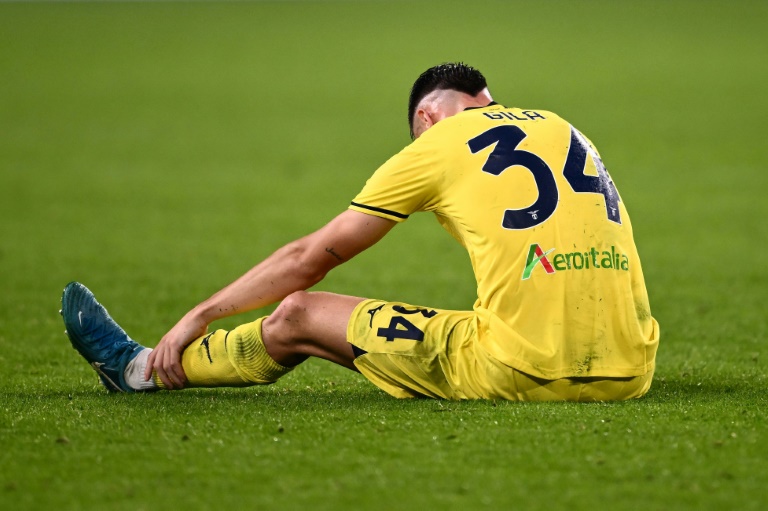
{"x": 423, "y": 122}
{"x": 425, "y": 118}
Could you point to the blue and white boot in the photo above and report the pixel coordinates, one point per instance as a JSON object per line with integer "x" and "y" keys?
{"x": 96, "y": 336}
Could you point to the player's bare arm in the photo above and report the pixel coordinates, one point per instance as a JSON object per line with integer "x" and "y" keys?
{"x": 295, "y": 267}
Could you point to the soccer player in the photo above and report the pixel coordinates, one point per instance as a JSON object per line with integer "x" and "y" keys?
{"x": 561, "y": 313}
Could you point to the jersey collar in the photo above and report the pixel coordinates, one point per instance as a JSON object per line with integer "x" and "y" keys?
{"x": 492, "y": 103}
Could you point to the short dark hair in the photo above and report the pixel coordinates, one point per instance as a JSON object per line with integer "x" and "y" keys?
{"x": 447, "y": 76}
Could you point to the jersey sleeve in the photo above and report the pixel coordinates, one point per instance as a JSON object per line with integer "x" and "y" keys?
{"x": 405, "y": 184}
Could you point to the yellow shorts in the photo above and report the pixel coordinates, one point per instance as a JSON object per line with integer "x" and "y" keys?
{"x": 411, "y": 351}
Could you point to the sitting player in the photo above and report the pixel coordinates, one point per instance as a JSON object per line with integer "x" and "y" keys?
{"x": 562, "y": 311}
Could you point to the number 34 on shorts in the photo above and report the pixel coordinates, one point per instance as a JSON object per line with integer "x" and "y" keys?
{"x": 393, "y": 327}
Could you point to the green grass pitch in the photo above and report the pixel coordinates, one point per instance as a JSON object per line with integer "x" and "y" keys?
{"x": 155, "y": 151}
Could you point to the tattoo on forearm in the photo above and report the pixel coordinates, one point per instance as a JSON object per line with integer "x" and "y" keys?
{"x": 334, "y": 254}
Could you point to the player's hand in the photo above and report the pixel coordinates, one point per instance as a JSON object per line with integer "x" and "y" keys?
{"x": 165, "y": 359}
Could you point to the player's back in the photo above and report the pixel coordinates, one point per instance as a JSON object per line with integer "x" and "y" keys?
{"x": 560, "y": 287}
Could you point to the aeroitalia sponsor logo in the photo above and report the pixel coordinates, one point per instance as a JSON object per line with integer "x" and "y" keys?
{"x": 587, "y": 260}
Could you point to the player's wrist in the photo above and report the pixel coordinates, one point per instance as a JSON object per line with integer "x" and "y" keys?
{"x": 203, "y": 314}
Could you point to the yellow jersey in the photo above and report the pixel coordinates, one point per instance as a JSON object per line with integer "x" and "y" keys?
{"x": 560, "y": 289}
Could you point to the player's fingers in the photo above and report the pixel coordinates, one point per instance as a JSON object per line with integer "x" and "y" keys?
{"x": 178, "y": 371}
{"x": 167, "y": 365}
{"x": 150, "y": 363}
{"x": 159, "y": 367}
{"x": 167, "y": 383}
{"x": 170, "y": 376}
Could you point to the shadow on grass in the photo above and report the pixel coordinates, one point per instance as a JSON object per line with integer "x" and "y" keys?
{"x": 708, "y": 390}
{"x": 362, "y": 397}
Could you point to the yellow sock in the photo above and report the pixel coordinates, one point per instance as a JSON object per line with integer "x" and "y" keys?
{"x": 236, "y": 358}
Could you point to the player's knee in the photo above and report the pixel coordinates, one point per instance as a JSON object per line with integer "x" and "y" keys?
{"x": 294, "y": 306}
{"x": 289, "y": 316}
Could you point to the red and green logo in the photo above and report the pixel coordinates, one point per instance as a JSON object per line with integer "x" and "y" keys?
{"x": 589, "y": 259}
{"x": 537, "y": 256}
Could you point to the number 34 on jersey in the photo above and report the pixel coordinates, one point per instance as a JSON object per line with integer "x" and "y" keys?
{"x": 505, "y": 154}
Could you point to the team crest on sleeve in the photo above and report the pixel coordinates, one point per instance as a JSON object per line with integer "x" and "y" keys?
{"x": 577, "y": 260}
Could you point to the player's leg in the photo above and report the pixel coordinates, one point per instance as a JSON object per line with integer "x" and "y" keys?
{"x": 261, "y": 352}
{"x": 257, "y": 353}
{"x": 305, "y": 324}
{"x": 310, "y": 325}
{"x": 405, "y": 350}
